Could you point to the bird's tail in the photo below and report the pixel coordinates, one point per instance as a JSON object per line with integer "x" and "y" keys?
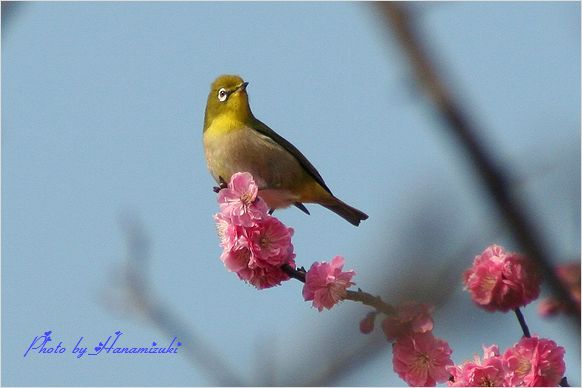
{"x": 342, "y": 209}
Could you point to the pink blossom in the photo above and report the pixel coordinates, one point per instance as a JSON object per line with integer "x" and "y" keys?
{"x": 535, "y": 362}
{"x": 239, "y": 202}
{"x": 270, "y": 242}
{"x": 489, "y": 372}
{"x": 326, "y": 284}
{"x": 420, "y": 359}
{"x": 502, "y": 281}
{"x": 409, "y": 318}
{"x": 569, "y": 275}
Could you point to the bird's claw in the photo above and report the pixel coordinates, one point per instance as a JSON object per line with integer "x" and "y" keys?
{"x": 221, "y": 185}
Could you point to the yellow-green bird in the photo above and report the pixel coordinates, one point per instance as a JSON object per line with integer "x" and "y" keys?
{"x": 236, "y": 141}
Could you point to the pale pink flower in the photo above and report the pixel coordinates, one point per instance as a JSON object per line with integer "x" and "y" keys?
{"x": 228, "y": 233}
{"x": 410, "y": 317}
{"x": 569, "y": 275}
{"x": 502, "y": 281}
{"x": 420, "y": 359}
{"x": 239, "y": 202}
{"x": 326, "y": 284}
{"x": 489, "y": 372}
{"x": 535, "y": 362}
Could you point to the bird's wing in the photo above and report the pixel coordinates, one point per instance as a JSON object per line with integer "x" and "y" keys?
{"x": 265, "y": 130}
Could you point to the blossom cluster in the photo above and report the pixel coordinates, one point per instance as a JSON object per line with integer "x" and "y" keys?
{"x": 255, "y": 244}
{"x": 532, "y": 362}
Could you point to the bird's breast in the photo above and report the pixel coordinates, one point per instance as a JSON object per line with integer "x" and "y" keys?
{"x": 244, "y": 149}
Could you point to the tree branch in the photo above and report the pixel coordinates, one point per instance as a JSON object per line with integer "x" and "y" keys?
{"x": 522, "y": 323}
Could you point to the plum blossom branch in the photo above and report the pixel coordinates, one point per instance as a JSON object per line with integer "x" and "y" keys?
{"x": 257, "y": 247}
{"x": 356, "y": 296}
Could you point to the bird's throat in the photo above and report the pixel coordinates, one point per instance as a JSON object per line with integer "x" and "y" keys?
{"x": 224, "y": 123}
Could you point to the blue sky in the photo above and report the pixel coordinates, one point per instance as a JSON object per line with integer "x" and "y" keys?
{"x": 102, "y": 110}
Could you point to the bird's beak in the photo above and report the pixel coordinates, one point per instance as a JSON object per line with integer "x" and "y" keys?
{"x": 243, "y": 86}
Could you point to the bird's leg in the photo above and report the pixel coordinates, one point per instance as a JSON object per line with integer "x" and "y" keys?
{"x": 221, "y": 185}
{"x": 271, "y": 211}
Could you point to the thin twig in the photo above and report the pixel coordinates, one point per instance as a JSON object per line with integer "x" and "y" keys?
{"x": 370, "y": 300}
{"x": 494, "y": 178}
{"x": 522, "y": 323}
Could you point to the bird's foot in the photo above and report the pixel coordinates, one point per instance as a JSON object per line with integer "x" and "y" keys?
{"x": 221, "y": 185}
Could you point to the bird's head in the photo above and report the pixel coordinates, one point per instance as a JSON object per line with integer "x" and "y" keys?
{"x": 228, "y": 100}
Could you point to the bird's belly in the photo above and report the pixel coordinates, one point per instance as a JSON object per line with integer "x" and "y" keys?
{"x": 277, "y": 173}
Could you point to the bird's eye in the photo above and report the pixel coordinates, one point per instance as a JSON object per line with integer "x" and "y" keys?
{"x": 222, "y": 94}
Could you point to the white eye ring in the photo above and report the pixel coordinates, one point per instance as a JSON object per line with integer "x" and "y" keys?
{"x": 222, "y": 95}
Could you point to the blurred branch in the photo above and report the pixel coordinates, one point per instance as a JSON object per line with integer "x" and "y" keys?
{"x": 494, "y": 178}
{"x": 10, "y": 12}
{"x": 138, "y": 298}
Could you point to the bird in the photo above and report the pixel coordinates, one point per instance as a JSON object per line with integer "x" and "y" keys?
{"x": 236, "y": 141}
